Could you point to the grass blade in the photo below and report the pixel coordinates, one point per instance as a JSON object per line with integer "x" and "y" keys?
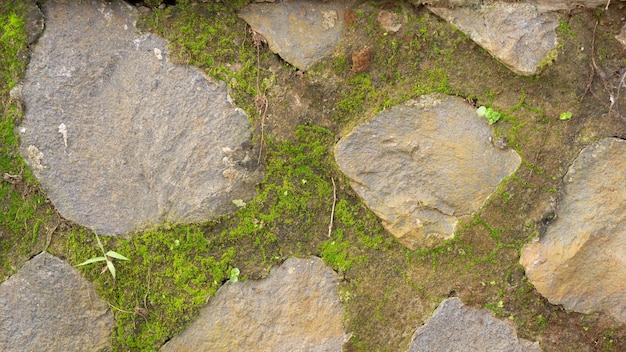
{"x": 92, "y": 260}
{"x": 116, "y": 255}
{"x": 111, "y": 268}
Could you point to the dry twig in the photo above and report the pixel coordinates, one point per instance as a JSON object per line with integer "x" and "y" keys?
{"x": 332, "y": 212}
{"x": 595, "y": 69}
{"x": 49, "y": 235}
{"x": 619, "y": 87}
{"x": 13, "y": 179}
{"x": 260, "y": 100}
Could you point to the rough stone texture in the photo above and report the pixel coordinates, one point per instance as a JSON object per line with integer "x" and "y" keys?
{"x": 421, "y": 166}
{"x": 542, "y": 5}
{"x": 48, "y": 306}
{"x": 580, "y": 261}
{"x": 447, "y": 3}
{"x": 296, "y": 308}
{"x": 301, "y": 32}
{"x": 391, "y": 21}
{"x": 558, "y": 5}
{"x": 119, "y": 137}
{"x": 34, "y": 22}
{"x": 516, "y": 34}
{"x": 453, "y": 327}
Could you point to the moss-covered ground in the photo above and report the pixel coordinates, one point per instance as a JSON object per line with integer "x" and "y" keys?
{"x": 388, "y": 290}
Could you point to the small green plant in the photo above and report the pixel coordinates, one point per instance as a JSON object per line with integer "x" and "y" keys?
{"x": 565, "y": 116}
{"x": 106, "y": 257}
{"x": 234, "y": 275}
{"x": 541, "y": 322}
{"x": 490, "y": 114}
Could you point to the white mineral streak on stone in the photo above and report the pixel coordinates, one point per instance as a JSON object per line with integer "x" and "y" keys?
{"x": 63, "y": 132}
{"x": 158, "y": 54}
{"x": 35, "y": 156}
{"x": 330, "y": 17}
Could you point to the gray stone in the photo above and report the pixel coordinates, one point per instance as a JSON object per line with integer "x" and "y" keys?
{"x": 454, "y": 327}
{"x": 579, "y": 261}
{"x": 121, "y": 138}
{"x": 48, "y": 306}
{"x": 542, "y": 5}
{"x": 422, "y": 166}
{"x": 296, "y": 308}
{"x": 561, "y": 5}
{"x": 447, "y": 3}
{"x": 516, "y": 34}
{"x": 34, "y": 22}
{"x": 301, "y": 32}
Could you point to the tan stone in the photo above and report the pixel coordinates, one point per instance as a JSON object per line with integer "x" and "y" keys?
{"x": 301, "y": 32}
{"x": 49, "y": 306}
{"x": 423, "y": 165}
{"x": 296, "y": 308}
{"x": 580, "y": 260}
{"x": 516, "y": 34}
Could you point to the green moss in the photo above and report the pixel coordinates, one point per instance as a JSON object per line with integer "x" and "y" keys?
{"x": 340, "y": 64}
{"x": 336, "y": 252}
{"x": 355, "y": 100}
{"x": 295, "y": 173}
{"x": 12, "y": 44}
{"x": 172, "y": 272}
{"x": 550, "y": 58}
{"x": 565, "y": 29}
{"x": 22, "y": 206}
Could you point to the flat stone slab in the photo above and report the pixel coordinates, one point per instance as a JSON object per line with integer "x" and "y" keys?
{"x": 454, "y": 327}
{"x": 542, "y": 5}
{"x": 119, "y": 137}
{"x": 580, "y": 260}
{"x": 517, "y": 34}
{"x": 560, "y": 5}
{"x": 296, "y": 308}
{"x": 301, "y": 32}
{"x": 423, "y": 165}
{"x": 48, "y": 306}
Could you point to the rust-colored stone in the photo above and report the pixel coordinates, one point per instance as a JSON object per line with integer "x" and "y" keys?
{"x": 361, "y": 60}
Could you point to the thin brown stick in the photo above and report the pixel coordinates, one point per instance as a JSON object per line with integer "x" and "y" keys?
{"x": 120, "y": 309}
{"x": 592, "y": 66}
{"x": 263, "y": 109}
{"x": 619, "y": 87}
{"x": 260, "y": 101}
{"x": 601, "y": 73}
{"x": 49, "y": 238}
{"x": 49, "y": 235}
{"x": 332, "y": 212}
